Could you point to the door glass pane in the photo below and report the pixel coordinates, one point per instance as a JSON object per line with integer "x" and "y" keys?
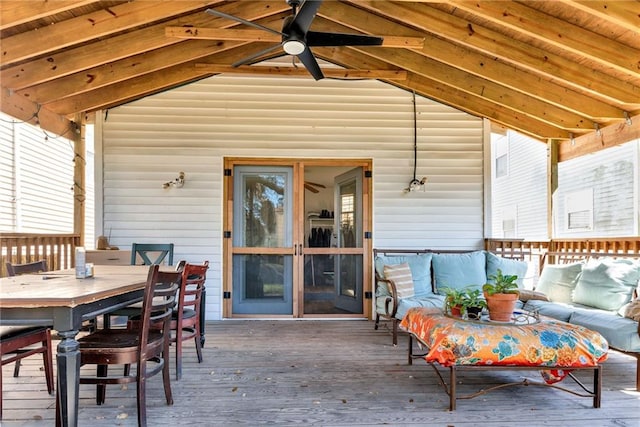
{"x": 348, "y": 205}
{"x": 261, "y": 284}
{"x": 263, "y": 219}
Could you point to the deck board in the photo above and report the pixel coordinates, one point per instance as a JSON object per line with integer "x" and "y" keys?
{"x": 330, "y": 373}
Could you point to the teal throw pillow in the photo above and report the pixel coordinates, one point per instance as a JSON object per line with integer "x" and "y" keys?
{"x": 607, "y": 284}
{"x": 557, "y": 281}
{"x": 507, "y": 266}
{"x": 458, "y": 271}
{"x": 420, "y": 266}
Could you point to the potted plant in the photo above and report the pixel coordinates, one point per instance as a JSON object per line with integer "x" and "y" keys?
{"x": 453, "y": 301}
{"x": 501, "y": 296}
{"x": 473, "y": 303}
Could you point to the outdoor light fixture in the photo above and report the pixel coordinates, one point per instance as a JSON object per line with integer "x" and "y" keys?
{"x": 415, "y": 184}
{"x": 177, "y": 183}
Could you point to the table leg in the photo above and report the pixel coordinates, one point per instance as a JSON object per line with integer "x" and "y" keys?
{"x": 68, "y": 359}
{"x": 203, "y": 306}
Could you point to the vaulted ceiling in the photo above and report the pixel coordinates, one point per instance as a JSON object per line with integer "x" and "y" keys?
{"x": 567, "y": 70}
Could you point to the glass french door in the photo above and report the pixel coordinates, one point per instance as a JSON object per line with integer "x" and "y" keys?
{"x": 262, "y": 260}
{"x": 286, "y": 257}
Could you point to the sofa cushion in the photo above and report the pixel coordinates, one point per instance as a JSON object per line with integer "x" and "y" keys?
{"x": 559, "y": 311}
{"x": 405, "y": 304}
{"x": 459, "y": 270}
{"x": 507, "y": 266}
{"x": 400, "y": 274}
{"x": 620, "y": 332}
{"x": 557, "y": 281}
{"x": 420, "y": 266}
{"x": 607, "y": 284}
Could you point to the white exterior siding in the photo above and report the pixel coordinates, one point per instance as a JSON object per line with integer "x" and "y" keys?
{"x": 523, "y": 191}
{"x": 37, "y": 180}
{"x": 612, "y": 175}
{"x": 192, "y": 129}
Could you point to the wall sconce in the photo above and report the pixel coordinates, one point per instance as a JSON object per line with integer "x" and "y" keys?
{"x": 416, "y": 185}
{"x": 177, "y": 183}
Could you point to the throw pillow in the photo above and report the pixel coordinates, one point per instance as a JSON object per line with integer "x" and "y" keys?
{"x": 557, "y": 281}
{"x": 633, "y": 310}
{"x": 420, "y": 265}
{"x": 607, "y": 284}
{"x": 459, "y": 270}
{"x": 526, "y": 295}
{"x": 507, "y": 266}
{"x": 400, "y": 274}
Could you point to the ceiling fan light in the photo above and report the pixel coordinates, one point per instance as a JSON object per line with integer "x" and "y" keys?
{"x": 293, "y": 47}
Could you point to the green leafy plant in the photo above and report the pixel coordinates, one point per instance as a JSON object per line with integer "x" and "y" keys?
{"x": 503, "y": 284}
{"x": 473, "y": 298}
{"x": 453, "y": 297}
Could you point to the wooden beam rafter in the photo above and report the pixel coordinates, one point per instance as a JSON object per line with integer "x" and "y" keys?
{"x": 302, "y": 72}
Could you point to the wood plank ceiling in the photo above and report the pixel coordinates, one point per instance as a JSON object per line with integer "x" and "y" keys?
{"x": 566, "y": 70}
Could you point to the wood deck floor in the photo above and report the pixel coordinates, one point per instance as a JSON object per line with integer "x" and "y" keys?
{"x": 329, "y": 373}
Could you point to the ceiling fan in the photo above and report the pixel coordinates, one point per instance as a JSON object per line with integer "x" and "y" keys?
{"x": 313, "y": 186}
{"x": 297, "y": 39}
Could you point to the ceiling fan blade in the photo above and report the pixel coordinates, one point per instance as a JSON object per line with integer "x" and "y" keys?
{"x": 305, "y": 15}
{"x": 315, "y": 184}
{"x": 310, "y": 188}
{"x": 310, "y": 63}
{"x": 338, "y": 39}
{"x": 251, "y": 58}
{"x": 243, "y": 21}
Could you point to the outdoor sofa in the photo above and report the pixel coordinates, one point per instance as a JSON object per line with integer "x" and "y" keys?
{"x": 597, "y": 291}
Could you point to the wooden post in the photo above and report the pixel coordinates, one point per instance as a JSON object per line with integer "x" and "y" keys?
{"x": 79, "y": 181}
{"x": 552, "y": 184}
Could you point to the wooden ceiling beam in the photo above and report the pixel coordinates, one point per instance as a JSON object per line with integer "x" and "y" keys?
{"x": 16, "y": 12}
{"x": 622, "y": 13}
{"x": 111, "y": 49}
{"x": 27, "y": 111}
{"x": 606, "y": 137}
{"x": 88, "y": 27}
{"x": 448, "y": 95}
{"x": 144, "y": 85}
{"x": 483, "y": 66}
{"x": 542, "y": 62}
{"x": 556, "y": 32}
{"x": 334, "y": 73}
{"x": 127, "y": 68}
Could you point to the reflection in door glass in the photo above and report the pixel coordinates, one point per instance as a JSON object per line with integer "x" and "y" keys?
{"x": 348, "y": 215}
{"x": 263, "y": 203}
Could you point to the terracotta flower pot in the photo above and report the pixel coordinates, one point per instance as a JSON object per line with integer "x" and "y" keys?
{"x": 501, "y": 306}
{"x": 456, "y": 311}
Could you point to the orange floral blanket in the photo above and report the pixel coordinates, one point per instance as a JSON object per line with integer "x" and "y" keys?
{"x": 548, "y": 343}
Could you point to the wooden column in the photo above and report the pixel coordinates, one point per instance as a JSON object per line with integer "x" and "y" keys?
{"x": 79, "y": 172}
{"x": 552, "y": 183}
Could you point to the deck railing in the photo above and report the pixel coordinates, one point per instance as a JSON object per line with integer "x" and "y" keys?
{"x": 19, "y": 248}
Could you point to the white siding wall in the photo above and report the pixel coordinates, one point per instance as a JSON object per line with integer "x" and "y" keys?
{"x": 41, "y": 197}
{"x": 524, "y": 189}
{"x": 611, "y": 173}
{"x": 192, "y": 128}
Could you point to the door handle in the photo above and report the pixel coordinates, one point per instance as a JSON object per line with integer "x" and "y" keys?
{"x": 300, "y": 248}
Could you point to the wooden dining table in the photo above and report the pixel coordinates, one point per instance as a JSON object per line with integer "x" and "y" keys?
{"x": 60, "y": 300}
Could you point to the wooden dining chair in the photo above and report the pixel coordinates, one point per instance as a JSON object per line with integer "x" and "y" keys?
{"x": 25, "y": 341}
{"x": 145, "y": 344}
{"x": 28, "y": 268}
{"x": 185, "y": 320}
{"x": 149, "y": 253}
{"x": 18, "y": 342}
{"x": 160, "y": 252}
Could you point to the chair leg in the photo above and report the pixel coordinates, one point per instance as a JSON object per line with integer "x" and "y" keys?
{"x": 166, "y": 374}
{"x": 47, "y": 357}
{"x": 101, "y": 389}
{"x": 178, "y": 354}
{"x": 141, "y": 392}
{"x": 0, "y": 392}
{"x": 377, "y": 323}
{"x": 199, "y": 349}
{"x": 16, "y": 368}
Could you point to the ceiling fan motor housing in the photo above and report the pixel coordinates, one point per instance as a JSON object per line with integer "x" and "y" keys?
{"x": 293, "y": 40}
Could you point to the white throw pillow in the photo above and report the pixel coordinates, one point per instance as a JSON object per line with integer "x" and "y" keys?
{"x": 401, "y": 276}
